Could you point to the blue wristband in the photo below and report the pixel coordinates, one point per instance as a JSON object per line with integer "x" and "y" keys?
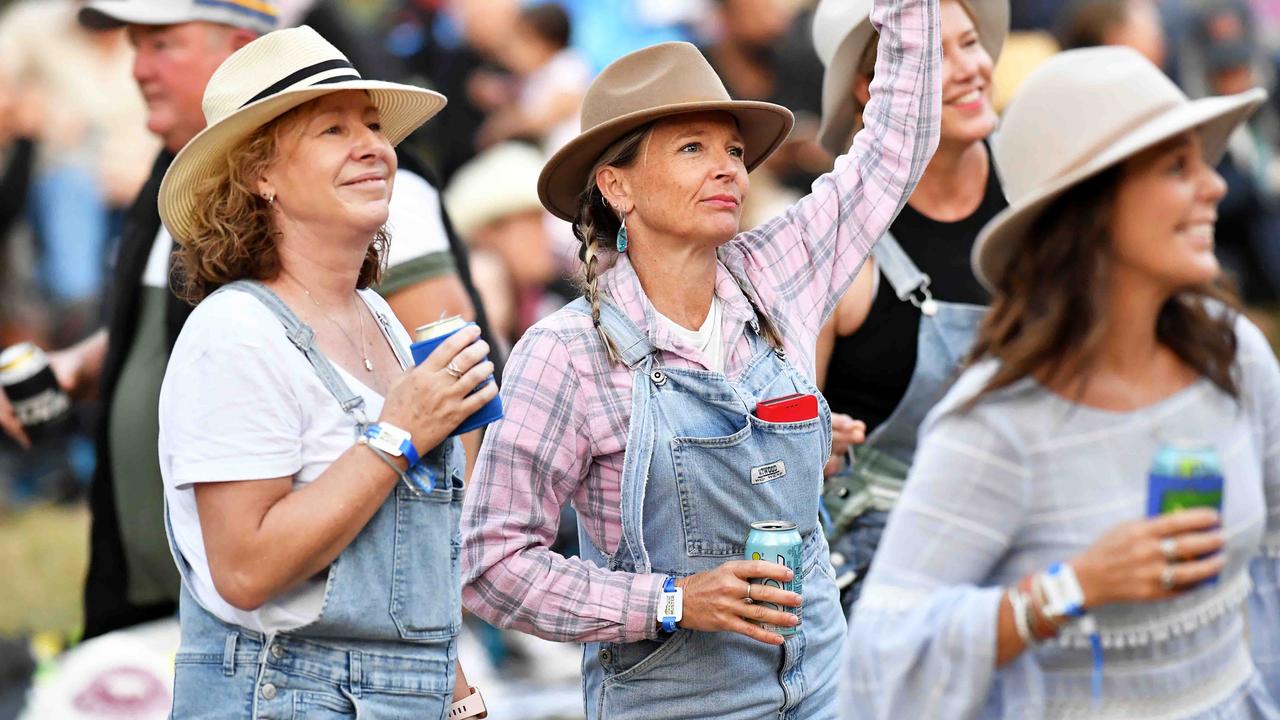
{"x": 669, "y": 622}
{"x": 410, "y": 453}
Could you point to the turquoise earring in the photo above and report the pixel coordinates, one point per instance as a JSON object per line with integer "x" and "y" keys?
{"x": 622, "y": 236}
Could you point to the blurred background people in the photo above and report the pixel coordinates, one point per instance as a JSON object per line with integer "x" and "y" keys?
{"x": 550, "y": 80}
{"x": 93, "y": 149}
{"x": 1134, "y": 23}
{"x": 493, "y": 201}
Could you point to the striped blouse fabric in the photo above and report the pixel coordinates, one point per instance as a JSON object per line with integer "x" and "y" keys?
{"x": 1026, "y": 478}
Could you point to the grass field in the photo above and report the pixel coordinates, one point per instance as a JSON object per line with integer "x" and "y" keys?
{"x": 44, "y": 550}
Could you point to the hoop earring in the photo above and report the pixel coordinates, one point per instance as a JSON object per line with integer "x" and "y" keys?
{"x": 622, "y": 236}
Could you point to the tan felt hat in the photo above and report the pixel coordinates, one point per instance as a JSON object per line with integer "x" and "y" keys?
{"x": 260, "y": 82}
{"x": 1080, "y": 113}
{"x": 659, "y": 81}
{"x": 841, "y": 31}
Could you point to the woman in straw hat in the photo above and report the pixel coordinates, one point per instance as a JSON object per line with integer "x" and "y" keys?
{"x": 901, "y": 330}
{"x": 318, "y": 550}
{"x": 639, "y": 401}
{"x": 1021, "y": 574}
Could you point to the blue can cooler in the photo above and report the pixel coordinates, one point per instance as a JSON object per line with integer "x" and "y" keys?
{"x": 428, "y": 338}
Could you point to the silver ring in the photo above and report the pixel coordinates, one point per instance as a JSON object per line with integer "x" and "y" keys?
{"x": 748, "y": 598}
{"x": 1166, "y": 578}
{"x": 453, "y": 370}
{"x": 1169, "y": 548}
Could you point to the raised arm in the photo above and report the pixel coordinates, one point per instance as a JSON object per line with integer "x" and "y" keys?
{"x": 802, "y": 261}
{"x": 532, "y": 461}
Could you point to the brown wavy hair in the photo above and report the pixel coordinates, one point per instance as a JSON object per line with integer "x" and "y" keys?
{"x": 232, "y": 236}
{"x": 1051, "y": 300}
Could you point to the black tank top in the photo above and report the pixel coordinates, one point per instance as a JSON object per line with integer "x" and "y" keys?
{"x": 870, "y": 369}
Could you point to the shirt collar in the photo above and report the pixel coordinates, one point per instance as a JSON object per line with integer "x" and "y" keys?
{"x": 622, "y": 285}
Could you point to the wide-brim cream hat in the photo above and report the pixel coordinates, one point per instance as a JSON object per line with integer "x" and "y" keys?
{"x": 659, "y": 81}
{"x": 841, "y": 31}
{"x": 497, "y": 183}
{"x": 260, "y": 82}
{"x": 1079, "y": 114}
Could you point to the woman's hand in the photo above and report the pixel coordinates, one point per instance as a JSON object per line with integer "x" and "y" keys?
{"x": 1128, "y": 563}
{"x": 845, "y": 433}
{"x": 431, "y": 400}
{"x": 716, "y": 600}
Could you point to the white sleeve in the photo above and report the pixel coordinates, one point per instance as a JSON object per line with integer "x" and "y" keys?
{"x": 415, "y": 224}
{"x": 228, "y": 409}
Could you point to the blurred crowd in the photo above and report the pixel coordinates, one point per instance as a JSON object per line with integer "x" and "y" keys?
{"x": 75, "y": 147}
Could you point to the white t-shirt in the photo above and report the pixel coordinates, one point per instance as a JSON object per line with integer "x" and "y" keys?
{"x": 415, "y": 224}
{"x": 241, "y": 402}
{"x": 708, "y": 339}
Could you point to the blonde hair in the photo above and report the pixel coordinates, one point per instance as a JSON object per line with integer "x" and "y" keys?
{"x": 232, "y": 236}
{"x": 596, "y": 228}
{"x": 866, "y": 67}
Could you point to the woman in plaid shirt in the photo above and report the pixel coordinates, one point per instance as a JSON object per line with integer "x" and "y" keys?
{"x": 637, "y": 400}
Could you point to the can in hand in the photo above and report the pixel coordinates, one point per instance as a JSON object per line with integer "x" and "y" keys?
{"x": 778, "y": 541}
{"x": 40, "y": 404}
{"x": 1185, "y": 476}
{"x": 426, "y": 339}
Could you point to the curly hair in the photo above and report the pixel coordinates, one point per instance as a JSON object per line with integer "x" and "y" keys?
{"x": 233, "y": 237}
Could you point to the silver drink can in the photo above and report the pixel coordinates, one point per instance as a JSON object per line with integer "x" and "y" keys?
{"x": 778, "y": 541}
{"x": 42, "y": 407}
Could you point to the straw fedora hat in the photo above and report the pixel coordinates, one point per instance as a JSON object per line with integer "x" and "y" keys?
{"x": 1080, "y": 113}
{"x": 260, "y": 82}
{"x": 662, "y": 80}
{"x": 841, "y": 31}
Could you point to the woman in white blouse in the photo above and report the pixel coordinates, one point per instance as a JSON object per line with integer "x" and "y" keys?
{"x": 1019, "y": 576}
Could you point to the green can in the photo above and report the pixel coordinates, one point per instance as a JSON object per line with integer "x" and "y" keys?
{"x": 778, "y": 541}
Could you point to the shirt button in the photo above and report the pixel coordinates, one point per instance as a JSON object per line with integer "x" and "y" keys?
{"x": 269, "y": 691}
{"x": 277, "y": 652}
{"x": 605, "y": 656}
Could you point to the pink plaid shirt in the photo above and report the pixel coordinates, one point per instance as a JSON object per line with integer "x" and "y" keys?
{"x": 568, "y": 409}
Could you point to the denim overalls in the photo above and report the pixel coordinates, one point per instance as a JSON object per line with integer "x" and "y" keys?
{"x": 385, "y": 643}
{"x": 860, "y": 498}
{"x": 688, "y": 502}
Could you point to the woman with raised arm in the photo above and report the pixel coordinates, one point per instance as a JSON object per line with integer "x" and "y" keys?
{"x": 312, "y": 489}
{"x": 639, "y": 401}
{"x": 902, "y": 330}
{"x": 1037, "y": 564}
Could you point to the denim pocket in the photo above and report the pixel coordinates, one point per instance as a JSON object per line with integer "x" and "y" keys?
{"x": 765, "y": 471}
{"x": 426, "y": 577}
{"x": 308, "y": 705}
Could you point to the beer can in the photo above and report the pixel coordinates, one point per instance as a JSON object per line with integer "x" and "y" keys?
{"x": 1184, "y": 476}
{"x": 441, "y": 328}
{"x": 40, "y": 404}
{"x": 426, "y": 339}
{"x": 778, "y": 541}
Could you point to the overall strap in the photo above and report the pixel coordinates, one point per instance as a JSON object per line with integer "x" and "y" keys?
{"x": 633, "y": 345}
{"x": 303, "y": 337}
{"x": 909, "y": 283}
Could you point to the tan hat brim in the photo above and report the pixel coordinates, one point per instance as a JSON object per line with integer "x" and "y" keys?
{"x": 1215, "y": 118}
{"x": 402, "y": 109}
{"x": 764, "y": 127}
{"x": 840, "y": 118}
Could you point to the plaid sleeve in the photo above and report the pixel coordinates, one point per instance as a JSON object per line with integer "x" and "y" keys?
{"x": 801, "y": 262}
{"x": 533, "y": 460}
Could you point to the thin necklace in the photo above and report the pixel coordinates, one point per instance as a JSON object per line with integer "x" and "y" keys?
{"x": 368, "y": 366}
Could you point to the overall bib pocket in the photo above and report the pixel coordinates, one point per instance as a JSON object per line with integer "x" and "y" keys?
{"x": 773, "y": 464}
{"x": 426, "y": 574}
